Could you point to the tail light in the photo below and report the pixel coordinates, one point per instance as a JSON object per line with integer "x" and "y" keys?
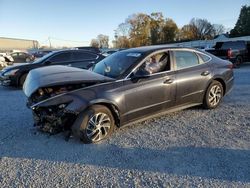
{"x": 229, "y": 53}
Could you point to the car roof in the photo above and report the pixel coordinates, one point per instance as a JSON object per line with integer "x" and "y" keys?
{"x": 146, "y": 49}
{"x": 74, "y": 50}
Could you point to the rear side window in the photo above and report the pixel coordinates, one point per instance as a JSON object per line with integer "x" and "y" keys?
{"x": 184, "y": 59}
{"x": 78, "y": 56}
{"x": 62, "y": 57}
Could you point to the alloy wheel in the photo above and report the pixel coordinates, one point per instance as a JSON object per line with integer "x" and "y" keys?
{"x": 98, "y": 127}
{"x": 215, "y": 95}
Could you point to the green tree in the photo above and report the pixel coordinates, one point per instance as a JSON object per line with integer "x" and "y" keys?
{"x": 139, "y": 30}
{"x": 185, "y": 33}
{"x": 242, "y": 27}
{"x": 169, "y": 31}
{"x": 156, "y": 26}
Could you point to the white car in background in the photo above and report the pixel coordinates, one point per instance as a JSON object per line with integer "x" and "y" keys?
{"x": 5, "y": 60}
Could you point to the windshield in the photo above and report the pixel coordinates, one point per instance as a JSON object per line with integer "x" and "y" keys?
{"x": 116, "y": 64}
{"x": 44, "y": 57}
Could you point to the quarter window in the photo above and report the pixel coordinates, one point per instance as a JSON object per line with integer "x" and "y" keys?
{"x": 204, "y": 58}
{"x": 185, "y": 59}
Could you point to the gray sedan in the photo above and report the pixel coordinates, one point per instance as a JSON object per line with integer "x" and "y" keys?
{"x": 128, "y": 86}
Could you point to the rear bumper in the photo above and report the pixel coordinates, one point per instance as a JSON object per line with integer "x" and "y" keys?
{"x": 229, "y": 85}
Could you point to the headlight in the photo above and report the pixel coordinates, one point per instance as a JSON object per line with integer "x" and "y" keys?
{"x": 10, "y": 72}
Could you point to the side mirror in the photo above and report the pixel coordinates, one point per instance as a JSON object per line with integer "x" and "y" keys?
{"x": 140, "y": 74}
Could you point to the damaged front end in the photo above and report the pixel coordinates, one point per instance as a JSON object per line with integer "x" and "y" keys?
{"x": 53, "y": 119}
{"x": 56, "y": 95}
{"x": 54, "y": 109}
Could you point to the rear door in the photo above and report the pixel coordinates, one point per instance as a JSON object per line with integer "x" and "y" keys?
{"x": 192, "y": 76}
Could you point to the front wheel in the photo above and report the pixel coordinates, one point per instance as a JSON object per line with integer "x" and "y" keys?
{"x": 22, "y": 80}
{"x": 97, "y": 123}
{"x": 214, "y": 95}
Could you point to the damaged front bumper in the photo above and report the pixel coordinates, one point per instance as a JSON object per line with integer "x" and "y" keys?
{"x": 53, "y": 119}
{"x": 56, "y": 114}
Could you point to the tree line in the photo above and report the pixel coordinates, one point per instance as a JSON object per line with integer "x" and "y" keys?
{"x": 143, "y": 29}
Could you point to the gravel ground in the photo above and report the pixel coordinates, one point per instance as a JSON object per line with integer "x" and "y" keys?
{"x": 190, "y": 148}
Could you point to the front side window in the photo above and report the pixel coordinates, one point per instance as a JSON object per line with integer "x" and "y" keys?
{"x": 156, "y": 63}
{"x": 185, "y": 59}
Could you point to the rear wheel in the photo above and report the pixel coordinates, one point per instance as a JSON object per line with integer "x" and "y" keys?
{"x": 97, "y": 123}
{"x": 238, "y": 61}
{"x": 214, "y": 95}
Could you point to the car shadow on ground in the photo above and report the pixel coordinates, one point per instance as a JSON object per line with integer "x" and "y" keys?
{"x": 217, "y": 163}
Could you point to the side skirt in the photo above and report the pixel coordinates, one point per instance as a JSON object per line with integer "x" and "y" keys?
{"x": 170, "y": 110}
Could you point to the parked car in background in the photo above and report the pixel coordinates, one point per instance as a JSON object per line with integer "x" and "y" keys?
{"x": 5, "y": 60}
{"x": 111, "y": 51}
{"x": 22, "y": 57}
{"x": 16, "y": 75}
{"x": 235, "y": 51}
{"x": 108, "y": 52}
{"x": 41, "y": 53}
{"x": 89, "y": 48}
{"x": 126, "y": 86}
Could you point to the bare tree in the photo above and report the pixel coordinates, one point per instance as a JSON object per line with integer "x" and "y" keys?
{"x": 103, "y": 41}
{"x": 218, "y": 29}
{"x": 94, "y": 43}
{"x": 202, "y": 29}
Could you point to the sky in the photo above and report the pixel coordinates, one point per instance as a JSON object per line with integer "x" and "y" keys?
{"x": 76, "y": 22}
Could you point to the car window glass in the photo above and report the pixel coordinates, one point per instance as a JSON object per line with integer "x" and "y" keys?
{"x": 204, "y": 58}
{"x": 156, "y": 63}
{"x": 233, "y": 45}
{"x": 116, "y": 64}
{"x": 185, "y": 59}
{"x": 77, "y": 56}
{"x": 14, "y": 54}
{"x": 62, "y": 57}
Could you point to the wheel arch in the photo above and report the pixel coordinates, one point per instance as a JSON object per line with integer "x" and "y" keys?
{"x": 222, "y": 83}
{"x": 111, "y": 106}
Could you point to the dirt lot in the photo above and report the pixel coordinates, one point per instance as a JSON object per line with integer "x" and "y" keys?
{"x": 193, "y": 147}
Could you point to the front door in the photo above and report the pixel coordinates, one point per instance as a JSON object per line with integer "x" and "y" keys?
{"x": 149, "y": 95}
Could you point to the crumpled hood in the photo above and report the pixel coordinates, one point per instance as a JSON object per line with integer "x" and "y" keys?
{"x": 59, "y": 75}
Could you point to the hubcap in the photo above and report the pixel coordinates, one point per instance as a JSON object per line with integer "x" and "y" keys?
{"x": 98, "y": 126}
{"x": 215, "y": 95}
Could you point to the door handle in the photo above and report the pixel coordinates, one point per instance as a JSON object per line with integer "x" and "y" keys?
{"x": 168, "y": 81}
{"x": 205, "y": 73}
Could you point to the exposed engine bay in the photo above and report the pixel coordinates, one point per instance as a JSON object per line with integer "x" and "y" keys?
{"x": 53, "y": 119}
{"x": 48, "y": 92}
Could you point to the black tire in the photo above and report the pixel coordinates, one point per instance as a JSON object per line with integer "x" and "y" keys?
{"x": 238, "y": 61}
{"x": 22, "y": 80}
{"x": 84, "y": 126}
{"x": 213, "y": 96}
